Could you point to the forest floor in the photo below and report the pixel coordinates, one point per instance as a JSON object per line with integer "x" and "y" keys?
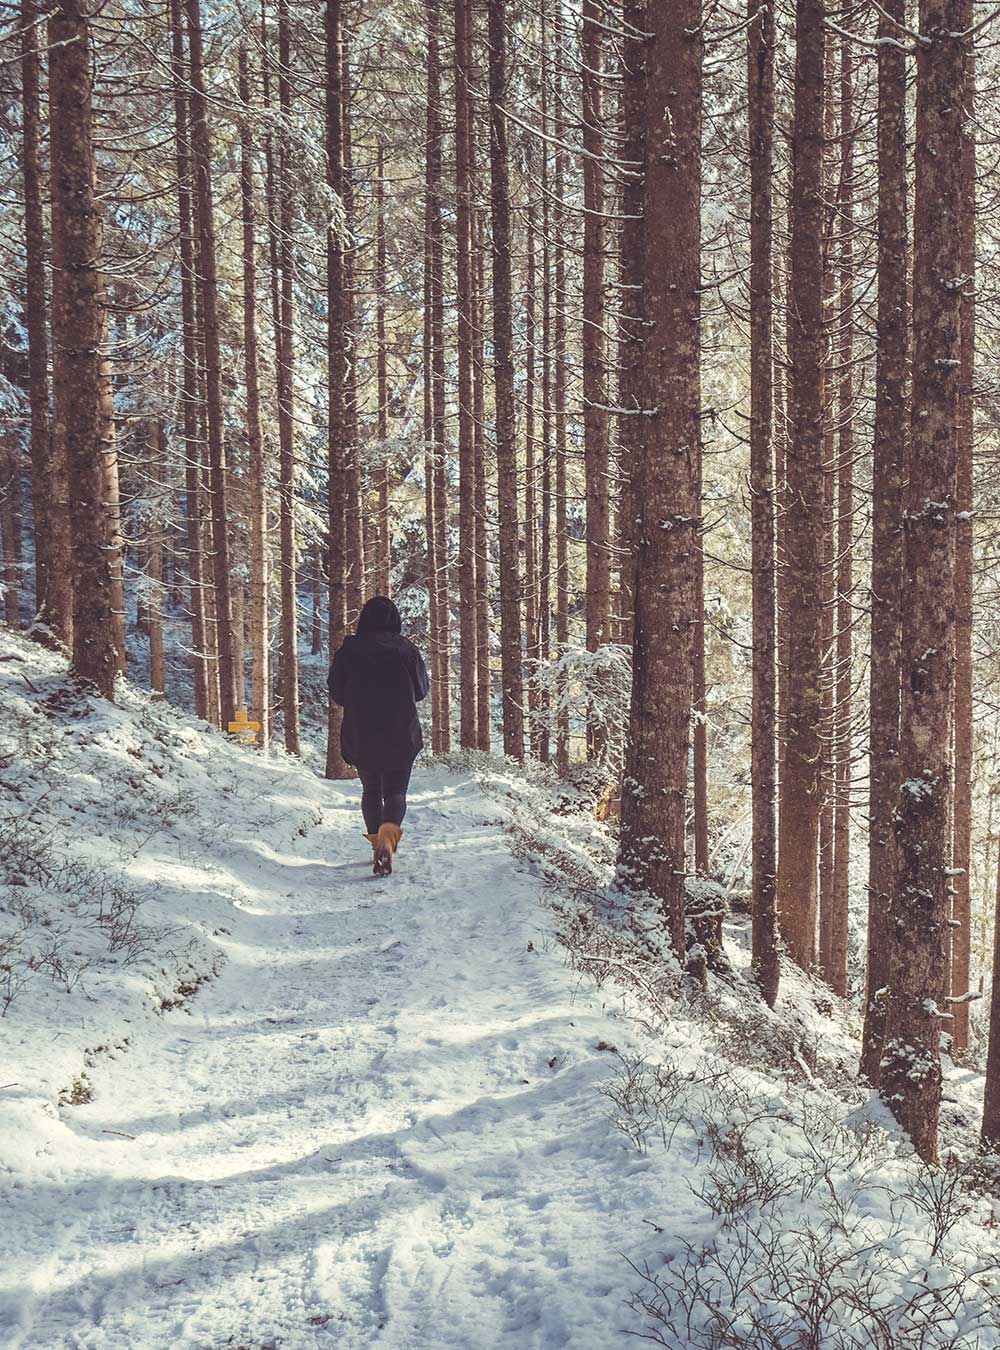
{"x": 286, "y": 1104}
{"x": 378, "y": 1125}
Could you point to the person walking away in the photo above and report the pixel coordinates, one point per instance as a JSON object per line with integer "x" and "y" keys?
{"x": 378, "y": 677}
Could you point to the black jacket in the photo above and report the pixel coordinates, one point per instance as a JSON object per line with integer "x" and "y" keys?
{"x": 377, "y": 677}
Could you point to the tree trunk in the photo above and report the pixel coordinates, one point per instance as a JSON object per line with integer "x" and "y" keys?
{"x": 435, "y": 229}
{"x": 82, "y": 402}
{"x": 530, "y": 486}
{"x": 189, "y": 361}
{"x": 337, "y": 362}
{"x": 353, "y": 532}
{"x": 699, "y": 708}
{"x": 467, "y": 607}
{"x": 10, "y": 529}
{"x": 831, "y": 171}
{"x": 890, "y": 456}
{"x": 51, "y": 529}
{"x": 289, "y": 626}
{"x": 383, "y": 569}
{"x": 316, "y": 583}
{"x": 921, "y": 900}
{"x": 259, "y": 582}
{"x": 429, "y": 536}
{"x": 631, "y": 422}
{"x": 239, "y": 640}
{"x": 542, "y": 741}
{"x": 287, "y": 621}
{"x": 837, "y": 971}
{"x": 155, "y": 566}
{"x": 559, "y": 222}
{"x": 202, "y": 165}
{"x": 484, "y": 683}
{"x": 503, "y": 367}
{"x": 801, "y": 787}
{"x": 763, "y": 772}
{"x": 780, "y": 377}
{"x": 991, "y": 1095}
{"x": 593, "y": 343}
{"x": 655, "y": 787}
{"x": 961, "y": 934}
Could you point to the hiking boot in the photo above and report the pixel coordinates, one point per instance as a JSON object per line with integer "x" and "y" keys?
{"x": 384, "y": 847}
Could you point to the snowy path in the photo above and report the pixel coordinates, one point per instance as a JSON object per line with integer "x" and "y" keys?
{"x": 378, "y": 1127}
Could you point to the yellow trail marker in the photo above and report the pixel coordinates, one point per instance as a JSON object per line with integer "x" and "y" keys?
{"x": 245, "y": 729}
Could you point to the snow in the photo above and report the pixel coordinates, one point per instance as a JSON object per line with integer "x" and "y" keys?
{"x": 314, "y": 1108}
{"x": 372, "y": 1120}
{"x": 378, "y": 1125}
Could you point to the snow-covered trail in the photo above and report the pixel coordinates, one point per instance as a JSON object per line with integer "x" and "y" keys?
{"x": 380, "y": 1126}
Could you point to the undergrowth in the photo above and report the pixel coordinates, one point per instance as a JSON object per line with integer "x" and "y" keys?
{"x": 50, "y": 901}
{"x": 825, "y": 1232}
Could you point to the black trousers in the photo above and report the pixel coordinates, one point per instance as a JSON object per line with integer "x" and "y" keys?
{"x": 383, "y": 795}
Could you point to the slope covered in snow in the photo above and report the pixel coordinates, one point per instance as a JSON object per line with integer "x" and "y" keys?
{"x": 303, "y": 1107}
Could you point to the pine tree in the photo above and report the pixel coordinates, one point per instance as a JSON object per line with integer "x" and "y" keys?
{"x": 337, "y": 370}
{"x": 51, "y": 523}
{"x": 920, "y": 909}
{"x": 801, "y": 798}
{"x": 467, "y": 594}
{"x": 280, "y": 211}
{"x": 962, "y": 805}
{"x": 595, "y": 395}
{"x": 82, "y": 395}
{"x": 219, "y": 514}
{"x": 760, "y": 90}
{"x": 503, "y": 368}
{"x": 189, "y": 361}
{"x": 654, "y": 793}
{"x": 260, "y": 710}
{"x": 890, "y": 463}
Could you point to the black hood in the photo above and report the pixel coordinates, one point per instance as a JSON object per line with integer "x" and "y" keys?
{"x": 379, "y": 615}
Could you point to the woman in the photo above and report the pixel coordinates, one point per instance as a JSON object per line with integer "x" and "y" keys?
{"x": 378, "y": 677}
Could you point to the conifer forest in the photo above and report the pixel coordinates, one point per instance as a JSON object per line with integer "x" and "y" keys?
{"x": 644, "y": 353}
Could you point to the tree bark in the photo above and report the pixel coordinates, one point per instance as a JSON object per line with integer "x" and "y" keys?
{"x": 202, "y": 167}
{"x": 82, "y": 396}
{"x": 353, "y": 532}
{"x": 383, "y": 570}
{"x": 467, "y": 600}
{"x": 594, "y": 345}
{"x": 837, "y": 972}
{"x": 189, "y": 361}
{"x": 10, "y": 529}
{"x": 284, "y": 345}
{"x": 484, "y": 680}
{"x": 155, "y": 567}
{"x": 631, "y": 427}
{"x": 51, "y": 524}
{"x": 801, "y": 787}
{"x": 429, "y": 517}
{"x": 991, "y": 1094}
{"x": 763, "y": 770}
{"x": 921, "y": 899}
{"x": 337, "y": 363}
{"x": 542, "y": 739}
{"x": 559, "y": 222}
{"x": 961, "y": 934}
{"x": 503, "y": 367}
{"x": 435, "y": 229}
{"x": 654, "y": 791}
{"x": 530, "y": 486}
{"x": 259, "y": 581}
{"x": 890, "y": 459}
{"x": 316, "y": 584}
{"x": 831, "y": 173}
